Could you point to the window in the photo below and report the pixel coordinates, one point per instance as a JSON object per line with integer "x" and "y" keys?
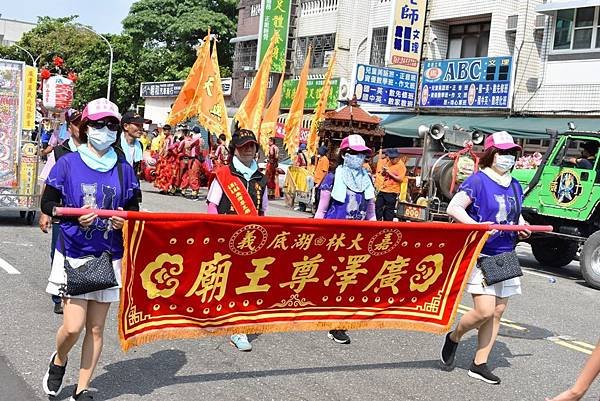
{"x": 577, "y": 29}
{"x": 245, "y": 54}
{"x": 469, "y": 40}
{"x": 378, "y": 45}
{"x": 255, "y": 10}
{"x": 322, "y": 48}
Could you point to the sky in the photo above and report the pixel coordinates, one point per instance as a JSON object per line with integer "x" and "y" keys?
{"x": 104, "y": 16}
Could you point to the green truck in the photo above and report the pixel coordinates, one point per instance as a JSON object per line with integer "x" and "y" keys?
{"x": 565, "y": 192}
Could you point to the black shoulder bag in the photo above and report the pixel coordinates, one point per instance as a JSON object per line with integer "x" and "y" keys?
{"x": 97, "y": 273}
{"x": 503, "y": 266}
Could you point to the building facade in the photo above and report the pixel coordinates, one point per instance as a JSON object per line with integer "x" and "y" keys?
{"x": 11, "y": 31}
{"x": 550, "y": 50}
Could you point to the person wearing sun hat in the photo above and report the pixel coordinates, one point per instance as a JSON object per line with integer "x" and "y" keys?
{"x": 94, "y": 177}
{"x": 239, "y": 188}
{"x": 347, "y": 194}
{"x": 491, "y": 195}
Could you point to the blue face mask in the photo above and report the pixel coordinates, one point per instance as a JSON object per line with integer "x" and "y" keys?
{"x": 354, "y": 162}
{"x": 101, "y": 138}
{"x": 505, "y": 162}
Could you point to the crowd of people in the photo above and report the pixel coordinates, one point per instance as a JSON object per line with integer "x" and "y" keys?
{"x": 99, "y": 164}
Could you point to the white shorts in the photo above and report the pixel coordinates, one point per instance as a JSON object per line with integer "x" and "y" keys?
{"x": 58, "y": 278}
{"x": 503, "y": 289}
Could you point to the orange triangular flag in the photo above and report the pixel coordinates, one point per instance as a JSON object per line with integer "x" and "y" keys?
{"x": 296, "y": 113}
{"x": 249, "y": 114}
{"x": 184, "y": 102}
{"x": 212, "y": 113}
{"x": 268, "y": 126}
{"x": 319, "y": 112}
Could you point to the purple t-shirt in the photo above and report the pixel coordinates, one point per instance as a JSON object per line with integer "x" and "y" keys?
{"x": 495, "y": 203}
{"x": 353, "y": 208}
{"x": 80, "y": 185}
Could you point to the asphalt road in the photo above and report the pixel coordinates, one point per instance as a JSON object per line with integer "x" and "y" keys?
{"x": 549, "y": 332}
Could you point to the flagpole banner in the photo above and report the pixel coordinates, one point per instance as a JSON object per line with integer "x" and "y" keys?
{"x": 28, "y": 123}
{"x": 221, "y": 274}
{"x": 275, "y": 17}
{"x": 11, "y": 83}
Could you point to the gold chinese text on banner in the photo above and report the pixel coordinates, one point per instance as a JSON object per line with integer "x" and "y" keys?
{"x": 29, "y": 98}
{"x": 222, "y": 274}
{"x": 405, "y": 39}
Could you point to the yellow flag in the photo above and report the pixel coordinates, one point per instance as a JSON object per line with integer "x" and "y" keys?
{"x": 212, "y": 113}
{"x": 250, "y": 112}
{"x": 294, "y": 120}
{"x": 183, "y": 107}
{"x": 269, "y": 121}
{"x": 319, "y": 112}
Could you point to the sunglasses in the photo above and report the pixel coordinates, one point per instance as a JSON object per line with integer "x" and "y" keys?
{"x": 111, "y": 125}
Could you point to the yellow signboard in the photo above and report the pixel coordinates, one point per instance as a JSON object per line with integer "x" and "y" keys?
{"x": 405, "y": 39}
{"x": 29, "y": 98}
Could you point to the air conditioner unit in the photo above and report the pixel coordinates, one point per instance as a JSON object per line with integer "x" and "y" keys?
{"x": 540, "y": 21}
{"x": 511, "y": 23}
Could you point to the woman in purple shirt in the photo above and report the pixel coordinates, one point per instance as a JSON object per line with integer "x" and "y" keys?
{"x": 95, "y": 178}
{"x": 348, "y": 194}
{"x": 489, "y": 196}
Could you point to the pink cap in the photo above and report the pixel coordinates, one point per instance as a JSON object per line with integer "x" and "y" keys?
{"x": 500, "y": 140}
{"x": 100, "y": 108}
{"x": 354, "y": 142}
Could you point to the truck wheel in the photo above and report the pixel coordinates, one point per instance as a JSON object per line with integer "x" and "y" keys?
{"x": 590, "y": 260}
{"x": 554, "y": 252}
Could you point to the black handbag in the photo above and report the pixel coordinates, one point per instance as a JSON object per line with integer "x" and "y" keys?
{"x": 504, "y": 266}
{"x": 94, "y": 275}
{"x": 97, "y": 273}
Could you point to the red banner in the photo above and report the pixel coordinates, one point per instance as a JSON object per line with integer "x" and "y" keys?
{"x": 221, "y": 275}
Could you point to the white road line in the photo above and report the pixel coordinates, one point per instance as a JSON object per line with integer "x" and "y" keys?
{"x": 8, "y": 267}
{"x": 536, "y": 273}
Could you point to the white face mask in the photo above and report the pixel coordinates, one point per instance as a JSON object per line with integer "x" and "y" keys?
{"x": 101, "y": 138}
{"x": 504, "y": 163}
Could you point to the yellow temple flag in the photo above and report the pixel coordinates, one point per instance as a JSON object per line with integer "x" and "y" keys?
{"x": 183, "y": 106}
{"x": 319, "y": 112}
{"x": 294, "y": 120}
{"x": 250, "y": 112}
{"x": 212, "y": 113}
{"x": 269, "y": 121}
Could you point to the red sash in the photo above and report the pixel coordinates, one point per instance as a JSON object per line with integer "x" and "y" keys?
{"x": 234, "y": 189}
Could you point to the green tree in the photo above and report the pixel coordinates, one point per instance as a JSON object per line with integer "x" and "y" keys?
{"x": 165, "y": 33}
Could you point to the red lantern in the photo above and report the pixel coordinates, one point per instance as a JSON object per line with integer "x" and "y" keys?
{"x": 72, "y": 75}
{"x": 58, "y": 61}
{"x": 44, "y": 73}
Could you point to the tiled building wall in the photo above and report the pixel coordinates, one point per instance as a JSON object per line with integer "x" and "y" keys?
{"x": 561, "y": 87}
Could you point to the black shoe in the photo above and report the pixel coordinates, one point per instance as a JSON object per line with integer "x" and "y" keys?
{"x": 482, "y": 372}
{"x": 58, "y": 309}
{"x": 53, "y": 379}
{"x": 339, "y": 336}
{"x": 85, "y": 395}
{"x": 448, "y": 351}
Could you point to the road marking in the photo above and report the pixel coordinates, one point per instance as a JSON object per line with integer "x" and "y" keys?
{"x": 563, "y": 341}
{"x": 464, "y": 309}
{"x": 584, "y": 345}
{"x": 537, "y": 274}
{"x": 570, "y": 345}
{"x": 8, "y": 267}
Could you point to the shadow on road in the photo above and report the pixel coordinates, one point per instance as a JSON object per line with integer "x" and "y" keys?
{"x": 144, "y": 375}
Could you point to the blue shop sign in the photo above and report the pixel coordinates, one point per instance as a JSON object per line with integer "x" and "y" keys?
{"x": 385, "y": 86}
{"x": 483, "y": 82}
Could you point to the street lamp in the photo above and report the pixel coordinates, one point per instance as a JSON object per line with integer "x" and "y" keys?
{"x": 33, "y": 61}
{"x": 111, "y": 57}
